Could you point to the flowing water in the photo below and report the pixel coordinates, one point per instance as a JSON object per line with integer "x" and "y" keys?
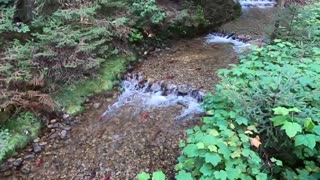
{"x": 139, "y": 129}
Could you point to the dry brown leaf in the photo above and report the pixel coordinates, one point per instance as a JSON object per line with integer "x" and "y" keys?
{"x": 255, "y": 141}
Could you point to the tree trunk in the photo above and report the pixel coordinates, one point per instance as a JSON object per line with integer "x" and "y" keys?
{"x": 23, "y": 11}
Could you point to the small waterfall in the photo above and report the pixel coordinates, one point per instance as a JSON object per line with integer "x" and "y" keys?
{"x": 239, "y": 45}
{"x": 258, "y": 3}
{"x": 146, "y": 95}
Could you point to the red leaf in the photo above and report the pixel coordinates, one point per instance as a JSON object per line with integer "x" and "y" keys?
{"x": 106, "y": 177}
{"x": 39, "y": 161}
{"x": 144, "y": 117}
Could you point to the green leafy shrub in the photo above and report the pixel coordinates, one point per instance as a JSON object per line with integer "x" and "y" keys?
{"x": 4, "y": 142}
{"x": 266, "y": 110}
{"x": 147, "y": 11}
{"x": 18, "y": 132}
{"x": 157, "y": 175}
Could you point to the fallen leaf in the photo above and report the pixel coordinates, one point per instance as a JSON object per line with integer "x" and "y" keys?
{"x": 144, "y": 117}
{"x": 255, "y": 141}
{"x": 39, "y": 161}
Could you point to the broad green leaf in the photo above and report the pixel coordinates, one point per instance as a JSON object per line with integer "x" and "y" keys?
{"x": 158, "y": 175}
{"x": 281, "y": 111}
{"x": 206, "y": 169}
{"x": 232, "y": 173}
{"x": 200, "y": 145}
{"x": 143, "y": 176}
{"x": 261, "y": 176}
{"x": 308, "y": 140}
{"x": 191, "y": 150}
{"x": 291, "y": 128}
{"x": 308, "y": 124}
{"x": 184, "y": 176}
{"x": 316, "y": 129}
{"x": 214, "y": 159}
{"x": 221, "y": 175}
{"x": 278, "y": 162}
{"x": 242, "y": 120}
{"x": 279, "y": 120}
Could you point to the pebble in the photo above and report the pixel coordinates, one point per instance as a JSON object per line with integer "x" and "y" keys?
{"x": 29, "y": 157}
{"x": 36, "y": 148}
{"x": 63, "y": 134}
{"x": 7, "y": 173}
{"x": 96, "y": 105}
{"x": 18, "y": 162}
{"x": 36, "y": 140}
{"x": 65, "y": 116}
{"x": 53, "y": 121}
{"x": 67, "y": 128}
{"x": 25, "y": 169}
{"x": 4, "y": 166}
{"x": 43, "y": 143}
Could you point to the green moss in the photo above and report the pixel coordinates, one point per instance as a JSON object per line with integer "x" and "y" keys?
{"x": 21, "y": 130}
{"x": 72, "y": 97}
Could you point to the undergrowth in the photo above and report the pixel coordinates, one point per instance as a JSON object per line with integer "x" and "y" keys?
{"x": 72, "y": 97}
{"x": 17, "y": 133}
{"x": 263, "y": 120}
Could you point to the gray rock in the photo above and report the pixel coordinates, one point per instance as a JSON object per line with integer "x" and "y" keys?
{"x": 183, "y": 89}
{"x": 63, "y": 134}
{"x": 25, "y": 169}
{"x": 96, "y": 105}
{"x": 68, "y": 128}
{"x": 4, "y": 166}
{"x": 7, "y": 173}
{"x": 29, "y": 157}
{"x": 37, "y": 148}
{"x": 53, "y": 121}
{"x": 18, "y": 162}
{"x": 155, "y": 87}
{"x": 65, "y": 116}
{"x": 36, "y": 140}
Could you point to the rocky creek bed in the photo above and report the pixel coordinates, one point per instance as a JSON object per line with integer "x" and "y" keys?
{"x": 137, "y": 136}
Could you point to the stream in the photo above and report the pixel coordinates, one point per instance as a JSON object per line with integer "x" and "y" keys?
{"x": 123, "y": 133}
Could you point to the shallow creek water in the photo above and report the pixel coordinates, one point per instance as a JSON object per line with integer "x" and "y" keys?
{"x": 122, "y": 134}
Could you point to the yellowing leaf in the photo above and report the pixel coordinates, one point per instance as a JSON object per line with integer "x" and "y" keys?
{"x": 236, "y": 154}
{"x": 213, "y": 148}
{"x": 232, "y": 126}
{"x": 255, "y": 141}
{"x": 231, "y": 143}
{"x": 214, "y": 132}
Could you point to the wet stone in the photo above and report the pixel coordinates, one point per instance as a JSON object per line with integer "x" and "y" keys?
{"x": 18, "y": 162}
{"x": 183, "y": 89}
{"x": 25, "y": 169}
{"x": 36, "y": 148}
{"x": 36, "y": 140}
{"x": 4, "y": 166}
{"x": 155, "y": 87}
{"x": 53, "y": 121}
{"x": 29, "y": 157}
{"x": 63, "y": 134}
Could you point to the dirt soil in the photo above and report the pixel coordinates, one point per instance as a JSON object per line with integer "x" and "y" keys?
{"x": 191, "y": 62}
